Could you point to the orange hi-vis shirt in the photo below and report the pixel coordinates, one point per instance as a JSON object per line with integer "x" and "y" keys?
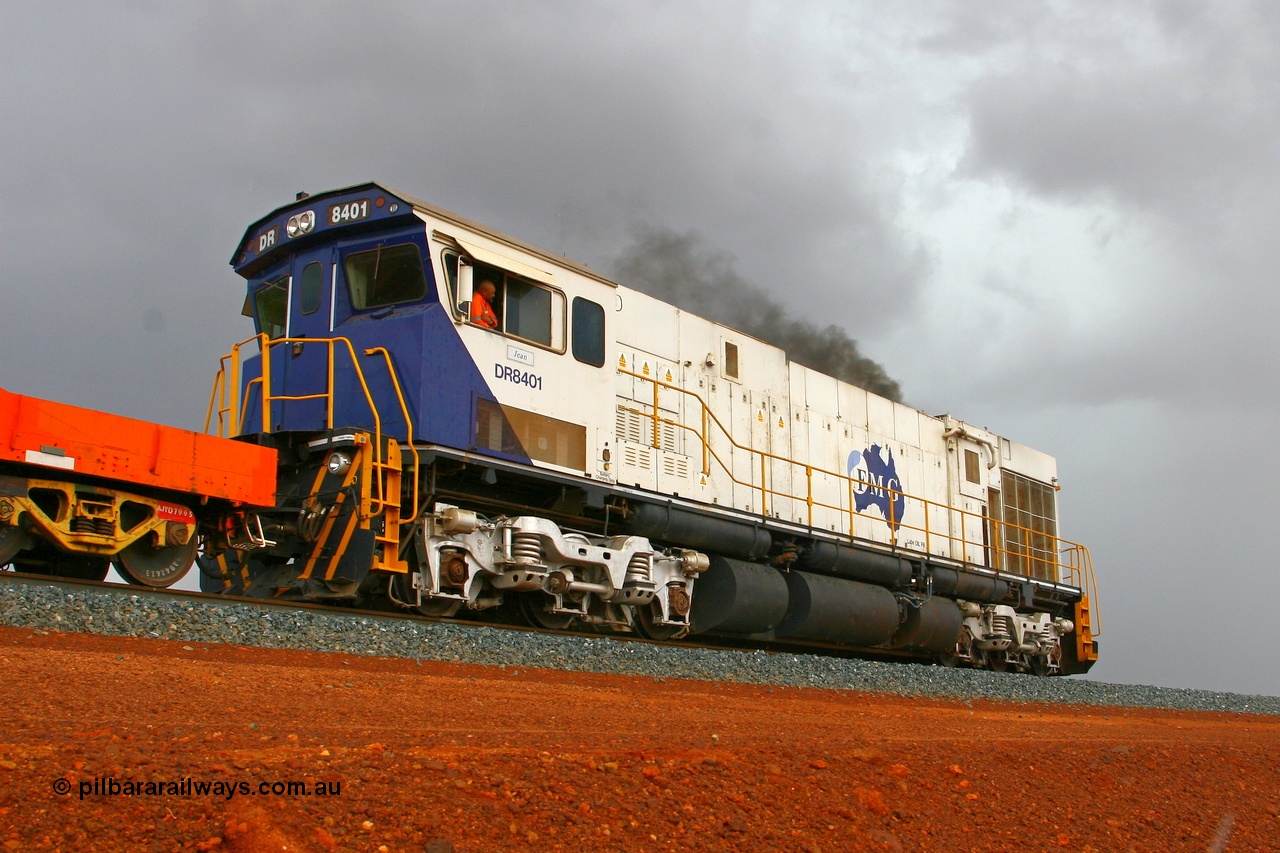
{"x": 482, "y": 312}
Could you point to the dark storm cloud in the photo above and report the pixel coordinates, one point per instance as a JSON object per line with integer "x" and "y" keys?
{"x": 1174, "y": 108}
{"x": 1140, "y": 137}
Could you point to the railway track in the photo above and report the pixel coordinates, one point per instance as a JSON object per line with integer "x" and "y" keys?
{"x": 205, "y": 599}
{"x": 507, "y": 621}
{"x": 41, "y": 603}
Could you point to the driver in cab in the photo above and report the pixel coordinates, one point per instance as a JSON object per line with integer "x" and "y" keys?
{"x": 482, "y": 305}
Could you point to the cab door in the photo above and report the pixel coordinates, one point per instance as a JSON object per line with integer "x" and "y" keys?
{"x": 300, "y": 362}
{"x": 971, "y": 475}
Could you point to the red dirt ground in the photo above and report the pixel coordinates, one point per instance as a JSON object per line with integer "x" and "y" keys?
{"x": 448, "y": 757}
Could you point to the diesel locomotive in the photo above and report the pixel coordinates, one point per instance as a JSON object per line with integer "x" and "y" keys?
{"x": 463, "y": 424}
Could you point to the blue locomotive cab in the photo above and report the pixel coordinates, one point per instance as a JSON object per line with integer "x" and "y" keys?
{"x": 339, "y": 285}
{"x": 370, "y": 304}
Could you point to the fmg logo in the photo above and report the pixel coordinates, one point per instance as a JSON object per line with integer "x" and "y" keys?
{"x": 876, "y": 484}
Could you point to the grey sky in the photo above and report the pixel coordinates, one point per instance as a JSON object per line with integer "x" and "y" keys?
{"x": 1051, "y": 219}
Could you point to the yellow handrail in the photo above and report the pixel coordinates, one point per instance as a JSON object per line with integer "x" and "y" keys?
{"x": 231, "y": 412}
{"x": 1064, "y": 558}
{"x": 408, "y": 426}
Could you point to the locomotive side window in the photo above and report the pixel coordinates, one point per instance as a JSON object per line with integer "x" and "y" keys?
{"x": 972, "y": 472}
{"x": 516, "y": 431}
{"x": 730, "y": 360}
{"x": 528, "y": 311}
{"x": 387, "y": 275}
{"x": 311, "y": 287}
{"x": 588, "y": 332}
{"x": 272, "y": 304}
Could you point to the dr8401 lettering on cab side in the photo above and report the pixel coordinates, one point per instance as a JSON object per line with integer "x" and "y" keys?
{"x": 603, "y": 459}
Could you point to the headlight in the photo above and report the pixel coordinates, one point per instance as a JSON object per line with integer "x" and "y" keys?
{"x": 301, "y": 223}
{"x": 338, "y": 463}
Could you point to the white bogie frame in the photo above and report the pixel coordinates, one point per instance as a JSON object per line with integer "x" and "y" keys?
{"x": 996, "y": 636}
{"x": 595, "y": 579}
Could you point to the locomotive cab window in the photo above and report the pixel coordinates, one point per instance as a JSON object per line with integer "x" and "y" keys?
{"x": 522, "y": 308}
{"x": 528, "y": 311}
{"x": 474, "y": 309}
{"x": 450, "y": 266}
{"x": 271, "y": 304}
{"x": 311, "y": 288}
{"x": 386, "y": 275}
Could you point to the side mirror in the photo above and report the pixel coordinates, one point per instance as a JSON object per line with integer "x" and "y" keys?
{"x": 466, "y": 284}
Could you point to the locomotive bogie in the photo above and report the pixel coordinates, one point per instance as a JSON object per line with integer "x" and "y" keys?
{"x": 591, "y": 579}
{"x": 999, "y": 637}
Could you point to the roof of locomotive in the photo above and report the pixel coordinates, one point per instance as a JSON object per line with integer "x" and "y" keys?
{"x": 245, "y": 258}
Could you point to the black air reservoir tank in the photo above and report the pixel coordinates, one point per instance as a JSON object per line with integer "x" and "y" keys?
{"x": 686, "y": 529}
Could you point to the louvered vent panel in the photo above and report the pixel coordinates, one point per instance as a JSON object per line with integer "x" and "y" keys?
{"x": 675, "y": 466}
{"x": 630, "y": 426}
{"x": 636, "y": 456}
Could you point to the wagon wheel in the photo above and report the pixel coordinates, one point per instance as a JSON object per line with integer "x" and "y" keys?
{"x": 997, "y": 661}
{"x": 145, "y": 564}
{"x": 1040, "y": 665}
{"x": 43, "y": 558}
{"x": 533, "y": 607}
{"x": 12, "y": 540}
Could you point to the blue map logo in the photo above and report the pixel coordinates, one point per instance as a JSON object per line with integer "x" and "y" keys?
{"x": 876, "y": 484}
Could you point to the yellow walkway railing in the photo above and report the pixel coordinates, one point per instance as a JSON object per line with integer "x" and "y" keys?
{"x": 1054, "y": 559}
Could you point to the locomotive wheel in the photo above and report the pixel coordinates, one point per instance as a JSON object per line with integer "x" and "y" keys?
{"x": 964, "y": 652}
{"x": 648, "y": 626}
{"x": 1040, "y": 665}
{"x": 533, "y": 608}
{"x": 12, "y": 540}
{"x": 403, "y": 591}
{"x": 997, "y": 661}
{"x": 144, "y": 564}
{"x": 222, "y": 573}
